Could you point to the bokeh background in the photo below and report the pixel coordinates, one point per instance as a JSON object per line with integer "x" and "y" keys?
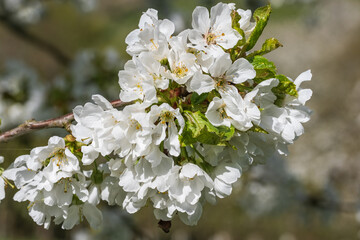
{"x": 55, "y": 53}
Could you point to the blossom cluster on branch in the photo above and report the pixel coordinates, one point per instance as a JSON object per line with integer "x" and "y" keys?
{"x": 202, "y": 108}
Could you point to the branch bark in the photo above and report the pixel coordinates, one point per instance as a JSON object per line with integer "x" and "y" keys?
{"x": 59, "y": 122}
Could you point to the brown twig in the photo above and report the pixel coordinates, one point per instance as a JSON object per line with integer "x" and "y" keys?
{"x": 32, "y": 125}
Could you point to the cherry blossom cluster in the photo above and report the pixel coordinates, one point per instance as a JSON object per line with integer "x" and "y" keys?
{"x": 202, "y": 107}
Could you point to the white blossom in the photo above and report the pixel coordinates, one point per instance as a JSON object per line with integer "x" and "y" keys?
{"x": 151, "y": 36}
{"x": 167, "y": 129}
{"x": 212, "y": 33}
{"x": 222, "y": 73}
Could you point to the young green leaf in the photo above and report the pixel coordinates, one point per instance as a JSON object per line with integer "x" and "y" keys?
{"x": 261, "y": 16}
{"x": 264, "y": 68}
{"x": 269, "y": 45}
{"x": 286, "y": 85}
{"x": 199, "y": 129}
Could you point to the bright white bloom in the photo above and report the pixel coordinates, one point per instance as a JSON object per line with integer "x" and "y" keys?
{"x": 212, "y": 33}
{"x": 59, "y": 162}
{"x": 225, "y": 174}
{"x": 216, "y": 113}
{"x": 150, "y": 172}
{"x": 152, "y": 35}
{"x": 167, "y": 129}
{"x": 287, "y": 121}
{"x": 234, "y": 110}
{"x": 136, "y": 84}
{"x": 133, "y": 131}
{"x": 153, "y": 69}
{"x": 265, "y": 97}
{"x": 182, "y": 63}
{"x": 75, "y": 214}
{"x": 186, "y": 185}
{"x": 95, "y": 122}
{"x": 223, "y": 73}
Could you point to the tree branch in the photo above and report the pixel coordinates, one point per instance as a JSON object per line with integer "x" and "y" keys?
{"x": 59, "y": 122}
{"x": 20, "y": 31}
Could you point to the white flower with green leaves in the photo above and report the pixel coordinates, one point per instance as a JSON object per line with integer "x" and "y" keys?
{"x": 202, "y": 107}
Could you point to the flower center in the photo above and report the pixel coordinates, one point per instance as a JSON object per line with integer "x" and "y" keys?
{"x": 181, "y": 71}
{"x": 220, "y": 82}
{"x": 166, "y": 116}
{"x": 136, "y": 124}
{"x": 58, "y": 156}
{"x": 210, "y": 38}
{"x": 222, "y": 112}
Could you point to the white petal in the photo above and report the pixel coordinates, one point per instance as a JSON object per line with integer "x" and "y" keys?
{"x": 167, "y": 28}
{"x": 89, "y": 154}
{"x": 102, "y": 102}
{"x": 200, "y": 19}
{"x": 193, "y": 218}
{"x": 220, "y": 66}
{"x": 201, "y": 83}
{"x": 93, "y": 215}
{"x": 172, "y": 143}
{"x": 305, "y": 76}
{"x": 72, "y": 218}
{"x": 94, "y": 195}
{"x": 288, "y": 133}
{"x": 2, "y": 189}
{"x": 222, "y": 189}
{"x": 220, "y": 16}
{"x": 240, "y": 71}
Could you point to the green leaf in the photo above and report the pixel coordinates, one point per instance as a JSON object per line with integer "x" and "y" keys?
{"x": 236, "y": 25}
{"x": 261, "y": 16}
{"x": 285, "y": 86}
{"x": 199, "y": 129}
{"x": 268, "y": 46}
{"x": 197, "y": 99}
{"x": 264, "y": 68}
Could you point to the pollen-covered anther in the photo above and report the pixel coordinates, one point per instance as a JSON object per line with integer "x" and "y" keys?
{"x": 181, "y": 71}
{"x": 223, "y": 113}
{"x": 212, "y": 37}
{"x": 136, "y": 124}
{"x": 221, "y": 82}
{"x": 166, "y": 116}
{"x": 59, "y": 156}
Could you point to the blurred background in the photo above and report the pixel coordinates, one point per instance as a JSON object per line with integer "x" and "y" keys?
{"x": 54, "y": 54}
